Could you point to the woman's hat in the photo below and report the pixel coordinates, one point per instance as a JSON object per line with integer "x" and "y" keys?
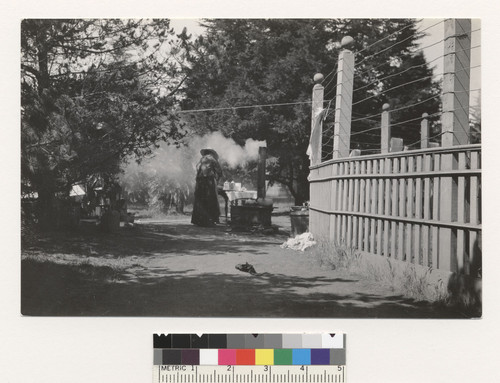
{"x": 207, "y": 151}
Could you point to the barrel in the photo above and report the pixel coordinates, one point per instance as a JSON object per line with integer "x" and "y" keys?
{"x": 299, "y": 217}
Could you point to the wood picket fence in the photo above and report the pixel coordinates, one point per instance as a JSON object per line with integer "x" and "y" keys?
{"x": 392, "y": 205}
{"x": 423, "y": 206}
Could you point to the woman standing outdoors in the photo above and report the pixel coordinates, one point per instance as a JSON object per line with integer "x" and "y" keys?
{"x": 206, "y": 206}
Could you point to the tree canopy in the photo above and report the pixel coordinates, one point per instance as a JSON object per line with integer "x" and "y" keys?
{"x": 96, "y": 92}
{"x": 256, "y": 62}
{"x": 92, "y": 93}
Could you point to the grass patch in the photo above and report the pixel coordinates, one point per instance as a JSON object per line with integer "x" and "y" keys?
{"x": 405, "y": 280}
{"x": 460, "y": 292}
{"x": 337, "y": 255}
{"x": 81, "y": 270}
{"x": 417, "y": 286}
{"x": 51, "y": 288}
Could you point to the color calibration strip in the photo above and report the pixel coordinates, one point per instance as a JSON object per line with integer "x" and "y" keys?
{"x": 250, "y": 349}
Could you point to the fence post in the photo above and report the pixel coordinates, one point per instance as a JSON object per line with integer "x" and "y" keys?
{"x": 396, "y": 145}
{"x": 385, "y": 134}
{"x": 455, "y": 129}
{"x": 456, "y": 82}
{"x": 343, "y": 102}
{"x": 316, "y": 125}
{"x": 424, "y": 132}
{"x": 261, "y": 173}
{"x": 355, "y": 153}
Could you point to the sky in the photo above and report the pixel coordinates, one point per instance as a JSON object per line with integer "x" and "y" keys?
{"x": 436, "y": 33}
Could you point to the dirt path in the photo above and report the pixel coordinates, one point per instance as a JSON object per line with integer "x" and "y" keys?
{"x": 172, "y": 268}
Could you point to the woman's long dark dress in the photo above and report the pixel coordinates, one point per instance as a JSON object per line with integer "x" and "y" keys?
{"x": 206, "y": 205}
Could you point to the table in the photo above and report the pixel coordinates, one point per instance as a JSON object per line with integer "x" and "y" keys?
{"x": 233, "y": 195}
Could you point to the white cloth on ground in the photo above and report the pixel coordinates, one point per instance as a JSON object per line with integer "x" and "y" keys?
{"x": 300, "y": 242}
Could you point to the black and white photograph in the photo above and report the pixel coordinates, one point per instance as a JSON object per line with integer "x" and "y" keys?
{"x": 249, "y": 174}
{"x": 230, "y": 167}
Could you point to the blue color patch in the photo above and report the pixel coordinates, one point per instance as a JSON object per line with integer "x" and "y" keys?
{"x": 301, "y": 356}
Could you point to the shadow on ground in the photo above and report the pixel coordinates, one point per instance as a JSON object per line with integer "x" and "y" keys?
{"x": 74, "y": 290}
{"x": 151, "y": 239}
{"x": 176, "y": 269}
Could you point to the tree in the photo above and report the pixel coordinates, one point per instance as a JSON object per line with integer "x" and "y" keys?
{"x": 390, "y": 69}
{"x": 255, "y": 62}
{"x": 93, "y": 92}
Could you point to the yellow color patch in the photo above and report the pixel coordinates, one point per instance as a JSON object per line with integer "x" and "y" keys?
{"x": 264, "y": 357}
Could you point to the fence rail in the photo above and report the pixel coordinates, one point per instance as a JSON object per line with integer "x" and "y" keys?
{"x": 396, "y": 205}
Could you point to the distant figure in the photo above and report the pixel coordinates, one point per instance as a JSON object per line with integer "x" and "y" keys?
{"x": 206, "y": 206}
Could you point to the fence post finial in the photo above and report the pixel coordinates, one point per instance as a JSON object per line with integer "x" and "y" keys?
{"x": 343, "y": 101}
{"x": 346, "y": 40}
{"x": 385, "y": 125}
{"x": 318, "y": 78}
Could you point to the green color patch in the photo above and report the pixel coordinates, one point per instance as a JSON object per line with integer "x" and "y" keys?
{"x": 283, "y": 356}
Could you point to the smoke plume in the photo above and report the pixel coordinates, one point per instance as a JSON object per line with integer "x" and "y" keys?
{"x": 179, "y": 164}
{"x": 227, "y": 149}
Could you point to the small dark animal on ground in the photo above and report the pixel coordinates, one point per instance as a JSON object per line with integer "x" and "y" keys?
{"x": 246, "y": 267}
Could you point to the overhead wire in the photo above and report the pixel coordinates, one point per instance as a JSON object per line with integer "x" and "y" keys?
{"x": 416, "y": 51}
{"x": 385, "y": 38}
{"x": 366, "y": 131}
{"x": 463, "y": 91}
{"x": 394, "y": 87}
{"x": 327, "y": 85}
{"x": 412, "y": 67}
{"x": 378, "y": 80}
{"x": 397, "y": 43}
{"x": 370, "y": 118}
{"x": 407, "y": 69}
{"x": 244, "y": 107}
{"x": 378, "y": 41}
{"x": 395, "y": 124}
{"x": 418, "y": 118}
{"x": 412, "y": 82}
{"x": 332, "y": 72}
{"x": 397, "y": 109}
{"x": 428, "y": 138}
{"x": 330, "y": 91}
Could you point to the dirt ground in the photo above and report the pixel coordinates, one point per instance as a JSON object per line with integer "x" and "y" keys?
{"x": 172, "y": 268}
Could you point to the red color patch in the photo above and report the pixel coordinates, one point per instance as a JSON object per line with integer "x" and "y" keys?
{"x": 245, "y": 357}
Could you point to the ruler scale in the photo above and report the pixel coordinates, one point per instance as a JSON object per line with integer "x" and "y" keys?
{"x": 249, "y": 358}
{"x": 250, "y": 374}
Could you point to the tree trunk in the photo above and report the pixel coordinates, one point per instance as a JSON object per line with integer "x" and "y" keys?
{"x": 45, "y": 208}
{"x": 43, "y": 65}
{"x": 302, "y": 190}
{"x": 179, "y": 206}
{"x": 299, "y": 190}
{"x": 293, "y": 191}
